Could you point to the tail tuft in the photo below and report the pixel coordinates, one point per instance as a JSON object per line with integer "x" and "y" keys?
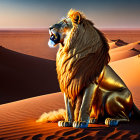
{"x": 53, "y": 116}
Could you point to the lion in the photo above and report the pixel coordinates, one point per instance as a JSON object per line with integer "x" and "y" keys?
{"x": 92, "y": 90}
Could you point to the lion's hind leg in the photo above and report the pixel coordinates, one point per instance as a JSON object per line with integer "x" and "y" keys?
{"x": 93, "y": 121}
{"x": 98, "y": 111}
{"x": 118, "y": 106}
{"x": 115, "y": 121}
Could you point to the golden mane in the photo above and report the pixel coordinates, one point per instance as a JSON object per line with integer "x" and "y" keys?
{"x": 82, "y": 58}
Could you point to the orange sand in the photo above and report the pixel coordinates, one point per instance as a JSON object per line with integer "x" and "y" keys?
{"x": 126, "y": 51}
{"x": 116, "y": 43}
{"x": 18, "y": 119}
{"x": 22, "y": 75}
{"x": 33, "y": 43}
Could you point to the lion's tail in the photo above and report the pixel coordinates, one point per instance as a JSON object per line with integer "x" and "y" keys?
{"x": 53, "y": 116}
{"x": 136, "y": 111}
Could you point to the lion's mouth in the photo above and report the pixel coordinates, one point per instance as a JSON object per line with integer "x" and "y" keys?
{"x": 54, "y": 38}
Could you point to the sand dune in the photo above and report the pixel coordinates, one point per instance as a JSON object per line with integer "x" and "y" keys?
{"x": 18, "y": 119}
{"x": 129, "y": 36}
{"x": 130, "y": 46}
{"x": 126, "y": 51}
{"x": 117, "y": 43}
{"x": 35, "y": 42}
{"x": 23, "y": 76}
{"x": 27, "y": 76}
{"x": 30, "y": 42}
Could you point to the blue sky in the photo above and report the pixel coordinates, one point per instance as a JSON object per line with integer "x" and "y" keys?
{"x": 43, "y": 13}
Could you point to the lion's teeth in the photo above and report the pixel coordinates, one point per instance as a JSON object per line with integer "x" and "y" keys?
{"x": 50, "y": 32}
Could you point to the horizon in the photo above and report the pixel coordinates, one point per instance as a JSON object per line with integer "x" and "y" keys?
{"x": 45, "y": 28}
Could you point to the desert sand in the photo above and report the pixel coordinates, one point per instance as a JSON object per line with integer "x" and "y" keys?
{"x": 128, "y": 36}
{"x": 29, "y": 42}
{"x": 116, "y": 43}
{"x": 26, "y": 72}
{"x": 18, "y": 119}
{"x": 125, "y": 51}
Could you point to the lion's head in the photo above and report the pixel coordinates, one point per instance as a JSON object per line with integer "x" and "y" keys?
{"x": 82, "y": 54}
{"x": 59, "y": 31}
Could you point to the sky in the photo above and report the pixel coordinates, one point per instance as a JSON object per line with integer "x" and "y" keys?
{"x": 43, "y": 13}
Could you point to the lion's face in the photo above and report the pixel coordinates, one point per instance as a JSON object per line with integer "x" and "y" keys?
{"x": 59, "y": 31}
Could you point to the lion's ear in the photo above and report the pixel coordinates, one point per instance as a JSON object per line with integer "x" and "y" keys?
{"x": 75, "y": 16}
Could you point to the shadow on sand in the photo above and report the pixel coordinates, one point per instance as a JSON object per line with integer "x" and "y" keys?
{"x": 23, "y": 76}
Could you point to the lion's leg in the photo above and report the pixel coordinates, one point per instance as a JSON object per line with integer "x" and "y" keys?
{"x": 118, "y": 98}
{"x": 97, "y": 111}
{"x": 77, "y": 107}
{"x": 115, "y": 121}
{"x": 118, "y": 106}
{"x": 69, "y": 113}
{"x": 93, "y": 120}
{"x": 85, "y": 109}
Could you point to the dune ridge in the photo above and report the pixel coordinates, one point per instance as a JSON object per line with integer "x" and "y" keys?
{"x": 129, "y": 46}
{"x": 117, "y": 43}
{"x": 125, "y": 51}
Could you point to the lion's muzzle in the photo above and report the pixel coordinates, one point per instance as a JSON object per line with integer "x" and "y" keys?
{"x": 54, "y": 38}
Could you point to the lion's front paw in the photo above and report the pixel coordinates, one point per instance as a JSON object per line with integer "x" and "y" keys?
{"x": 111, "y": 122}
{"x": 92, "y": 121}
{"x": 64, "y": 124}
{"x": 79, "y": 124}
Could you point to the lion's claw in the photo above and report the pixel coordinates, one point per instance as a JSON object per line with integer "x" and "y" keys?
{"x": 80, "y": 124}
{"x": 64, "y": 124}
{"x": 111, "y": 122}
{"x": 92, "y": 121}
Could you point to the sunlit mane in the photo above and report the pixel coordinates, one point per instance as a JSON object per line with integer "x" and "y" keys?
{"x": 82, "y": 58}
